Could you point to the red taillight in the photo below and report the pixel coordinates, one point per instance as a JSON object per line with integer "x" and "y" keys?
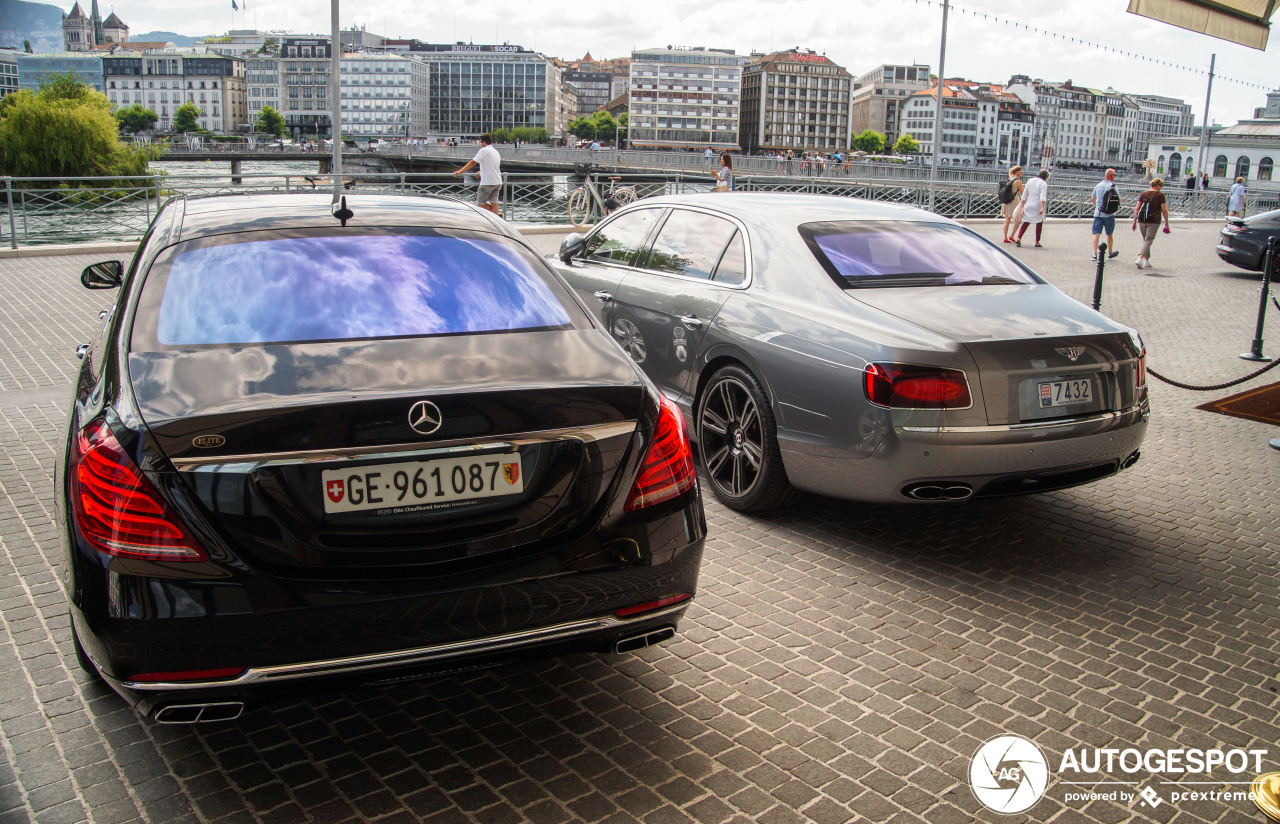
{"x": 668, "y": 467}
{"x": 904, "y": 386}
{"x": 117, "y": 510}
{"x": 1142, "y": 367}
{"x": 188, "y": 675}
{"x": 650, "y": 606}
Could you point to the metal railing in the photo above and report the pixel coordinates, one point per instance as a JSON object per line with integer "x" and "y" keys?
{"x": 49, "y": 210}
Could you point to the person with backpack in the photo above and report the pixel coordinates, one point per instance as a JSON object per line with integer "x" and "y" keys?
{"x": 1106, "y": 202}
{"x": 1147, "y": 212}
{"x": 1010, "y": 195}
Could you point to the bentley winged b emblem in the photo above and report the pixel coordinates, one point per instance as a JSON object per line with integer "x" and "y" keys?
{"x": 425, "y": 417}
{"x": 1072, "y": 352}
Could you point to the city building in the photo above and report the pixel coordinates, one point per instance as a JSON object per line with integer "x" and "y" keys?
{"x": 1014, "y": 132}
{"x": 796, "y": 99}
{"x": 304, "y": 65}
{"x": 262, "y": 83}
{"x": 35, "y": 69}
{"x": 476, "y": 89}
{"x": 879, "y": 95}
{"x": 970, "y": 122}
{"x": 1249, "y": 149}
{"x": 114, "y": 30}
{"x": 164, "y": 81}
{"x": 384, "y": 95}
{"x": 685, "y": 98}
{"x": 8, "y": 71}
{"x": 79, "y": 29}
{"x": 592, "y": 90}
{"x": 1152, "y": 119}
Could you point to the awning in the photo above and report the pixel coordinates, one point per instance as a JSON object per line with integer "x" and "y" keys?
{"x": 1247, "y": 22}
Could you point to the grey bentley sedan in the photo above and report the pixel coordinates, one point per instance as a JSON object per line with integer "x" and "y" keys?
{"x": 860, "y": 350}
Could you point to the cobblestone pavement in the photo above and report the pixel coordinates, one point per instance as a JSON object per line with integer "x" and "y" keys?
{"x": 842, "y": 662}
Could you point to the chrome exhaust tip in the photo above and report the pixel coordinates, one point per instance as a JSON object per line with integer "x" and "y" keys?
{"x": 938, "y": 492}
{"x": 199, "y": 713}
{"x": 1131, "y": 460}
{"x": 631, "y": 643}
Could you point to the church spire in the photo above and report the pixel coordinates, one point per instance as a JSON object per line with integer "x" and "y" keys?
{"x": 99, "y": 36}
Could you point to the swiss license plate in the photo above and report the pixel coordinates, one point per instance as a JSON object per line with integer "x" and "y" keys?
{"x": 414, "y": 486}
{"x": 1066, "y": 393}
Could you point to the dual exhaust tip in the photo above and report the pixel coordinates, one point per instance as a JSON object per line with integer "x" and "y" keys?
{"x": 939, "y": 491}
{"x": 199, "y": 713}
{"x": 648, "y": 638}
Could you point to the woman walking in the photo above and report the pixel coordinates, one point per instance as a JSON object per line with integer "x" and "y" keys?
{"x": 1151, "y": 206}
{"x": 1235, "y": 199}
{"x": 1007, "y": 209}
{"x": 724, "y": 177}
{"x": 1035, "y": 201}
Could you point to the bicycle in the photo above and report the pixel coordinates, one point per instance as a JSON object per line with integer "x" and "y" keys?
{"x": 584, "y": 199}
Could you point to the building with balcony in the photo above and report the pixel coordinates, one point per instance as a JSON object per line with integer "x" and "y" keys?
{"x": 795, "y": 100}
{"x": 591, "y": 90}
{"x": 879, "y": 95}
{"x": 384, "y": 95}
{"x": 685, "y": 98}
{"x": 970, "y": 122}
{"x": 164, "y": 81}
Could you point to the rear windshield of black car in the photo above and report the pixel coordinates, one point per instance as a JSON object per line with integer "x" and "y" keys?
{"x": 860, "y": 254}
{"x": 260, "y": 288}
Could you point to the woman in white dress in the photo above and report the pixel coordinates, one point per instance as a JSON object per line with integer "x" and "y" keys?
{"x": 1035, "y": 204}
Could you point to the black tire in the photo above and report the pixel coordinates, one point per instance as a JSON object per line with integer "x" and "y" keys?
{"x": 738, "y": 443}
{"x": 82, "y": 657}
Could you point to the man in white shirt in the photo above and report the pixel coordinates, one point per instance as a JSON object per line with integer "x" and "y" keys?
{"x": 489, "y": 162}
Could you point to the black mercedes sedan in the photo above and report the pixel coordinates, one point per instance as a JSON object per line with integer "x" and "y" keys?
{"x": 1243, "y": 241}
{"x": 324, "y": 447}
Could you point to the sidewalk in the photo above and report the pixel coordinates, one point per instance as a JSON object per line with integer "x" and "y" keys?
{"x": 841, "y": 662}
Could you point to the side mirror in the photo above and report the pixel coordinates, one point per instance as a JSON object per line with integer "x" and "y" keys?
{"x": 572, "y": 244}
{"x": 105, "y": 275}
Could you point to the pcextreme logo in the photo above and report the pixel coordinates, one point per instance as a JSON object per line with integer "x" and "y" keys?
{"x": 1009, "y": 774}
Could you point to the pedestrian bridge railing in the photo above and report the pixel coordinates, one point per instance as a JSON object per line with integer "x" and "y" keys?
{"x": 49, "y": 210}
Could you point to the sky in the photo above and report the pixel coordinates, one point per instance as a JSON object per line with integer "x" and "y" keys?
{"x": 857, "y": 34}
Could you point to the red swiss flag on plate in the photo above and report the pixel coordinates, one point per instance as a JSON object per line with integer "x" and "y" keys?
{"x": 336, "y": 490}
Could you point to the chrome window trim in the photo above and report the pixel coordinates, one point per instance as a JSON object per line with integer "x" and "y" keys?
{"x": 244, "y": 463}
{"x": 255, "y": 676}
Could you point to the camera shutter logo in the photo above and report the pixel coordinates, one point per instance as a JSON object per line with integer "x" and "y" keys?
{"x": 1008, "y": 774}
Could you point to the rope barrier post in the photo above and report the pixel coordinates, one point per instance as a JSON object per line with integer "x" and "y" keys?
{"x": 1097, "y": 277}
{"x": 1255, "y": 351}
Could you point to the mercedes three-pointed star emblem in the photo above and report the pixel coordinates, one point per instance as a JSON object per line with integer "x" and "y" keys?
{"x": 425, "y": 417}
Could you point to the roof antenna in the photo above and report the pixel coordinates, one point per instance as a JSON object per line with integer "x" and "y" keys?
{"x": 343, "y": 213}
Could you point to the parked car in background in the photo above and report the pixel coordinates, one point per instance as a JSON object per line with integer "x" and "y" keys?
{"x": 1243, "y": 241}
{"x": 860, "y": 350}
{"x": 314, "y": 446}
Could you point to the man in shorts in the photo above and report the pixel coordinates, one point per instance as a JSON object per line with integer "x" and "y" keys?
{"x": 489, "y": 162}
{"x": 1104, "y": 221}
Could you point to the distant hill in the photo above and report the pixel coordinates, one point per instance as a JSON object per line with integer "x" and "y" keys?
{"x": 180, "y": 40}
{"x": 39, "y": 23}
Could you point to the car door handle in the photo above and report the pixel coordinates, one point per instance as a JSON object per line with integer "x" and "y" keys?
{"x": 603, "y": 297}
{"x": 692, "y": 321}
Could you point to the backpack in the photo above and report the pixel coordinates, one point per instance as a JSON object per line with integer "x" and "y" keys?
{"x": 1007, "y": 191}
{"x": 1111, "y": 201}
{"x": 1144, "y": 210}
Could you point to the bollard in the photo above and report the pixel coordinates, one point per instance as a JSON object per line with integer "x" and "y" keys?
{"x": 1255, "y": 350}
{"x": 1097, "y": 277}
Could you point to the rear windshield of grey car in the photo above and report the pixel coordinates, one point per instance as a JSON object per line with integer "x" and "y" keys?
{"x": 256, "y": 288}
{"x": 902, "y": 253}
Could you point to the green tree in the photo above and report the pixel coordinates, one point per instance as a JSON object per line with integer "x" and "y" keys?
{"x": 26, "y": 46}
{"x": 135, "y": 118}
{"x": 871, "y": 142}
{"x": 187, "y": 119}
{"x": 65, "y": 130}
{"x": 906, "y": 145}
{"x": 270, "y": 46}
{"x": 270, "y": 121}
